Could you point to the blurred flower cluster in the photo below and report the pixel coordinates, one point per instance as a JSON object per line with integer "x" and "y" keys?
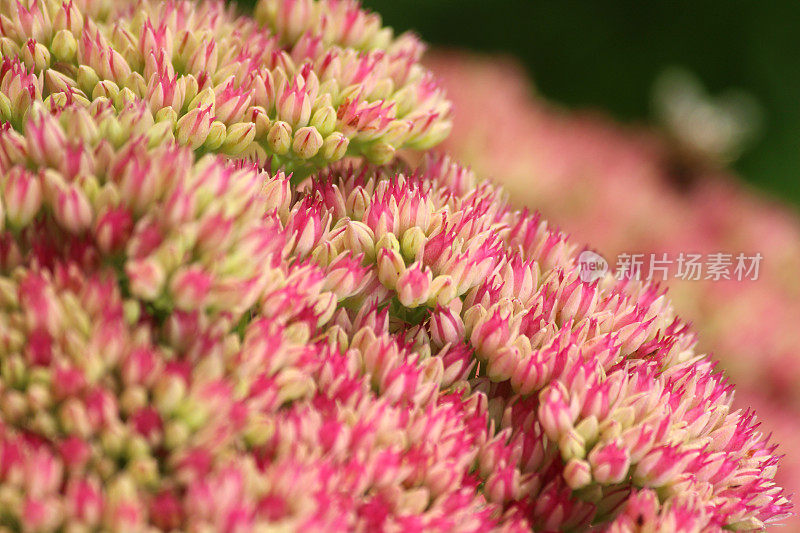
{"x": 626, "y": 190}
{"x": 208, "y": 324}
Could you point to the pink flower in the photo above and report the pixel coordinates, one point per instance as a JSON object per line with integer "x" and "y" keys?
{"x": 193, "y": 342}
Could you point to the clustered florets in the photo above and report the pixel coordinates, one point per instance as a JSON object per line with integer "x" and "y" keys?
{"x": 325, "y": 82}
{"x": 191, "y": 342}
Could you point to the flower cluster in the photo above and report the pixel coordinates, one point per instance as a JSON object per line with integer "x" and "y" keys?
{"x": 307, "y": 84}
{"x": 575, "y": 165}
{"x": 191, "y": 342}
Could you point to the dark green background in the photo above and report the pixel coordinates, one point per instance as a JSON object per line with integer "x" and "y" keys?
{"x": 607, "y": 54}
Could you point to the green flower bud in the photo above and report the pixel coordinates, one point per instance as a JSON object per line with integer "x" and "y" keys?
{"x": 64, "y": 46}
{"x": 280, "y": 137}
{"x": 238, "y": 137}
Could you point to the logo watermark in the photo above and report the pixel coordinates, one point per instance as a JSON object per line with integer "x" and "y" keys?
{"x": 661, "y": 267}
{"x": 593, "y": 266}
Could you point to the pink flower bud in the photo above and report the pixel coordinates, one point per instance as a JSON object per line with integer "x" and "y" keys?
{"x": 84, "y": 501}
{"x": 39, "y": 514}
{"x": 661, "y": 466}
{"x": 193, "y": 128}
{"x": 492, "y": 331}
{"x": 113, "y": 229}
{"x": 166, "y": 511}
{"x": 577, "y": 473}
{"x": 556, "y": 412}
{"x": 413, "y": 285}
{"x": 21, "y": 88}
{"x": 458, "y": 364}
{"x": 74, "y": 453}
{"x": 23, "y": 197}
{"x": 35, "y": 55}
{"x": 190, "y": 287}
{"x": 446, "y": 326}
{"x": 69, "y": 18}
{"x": 610, "y": 462}
{"x": 147, "y": 278}
{"x": 232, "y": 101}
{"x": 72, "y": 209}
{"x": 139, "y": 366}
{"x": 294, "y": 106}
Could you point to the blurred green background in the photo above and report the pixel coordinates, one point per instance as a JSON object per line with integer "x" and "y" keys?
{"x": 606, "y": 55}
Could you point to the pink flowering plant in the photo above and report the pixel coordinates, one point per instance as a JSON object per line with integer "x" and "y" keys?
{"x": 225, "y": 305}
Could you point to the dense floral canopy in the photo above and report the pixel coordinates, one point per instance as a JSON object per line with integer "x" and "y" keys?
{"x": 207, "y": 325}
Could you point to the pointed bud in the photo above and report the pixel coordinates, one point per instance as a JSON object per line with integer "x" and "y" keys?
{"x": 216, "y": 136}
{"x": 324, "y": 120}
{"x": 307, "y": 142}
{"x": 413, "y": 285}
{"x": 379, "y": 153}
{"x": 22, "y": 193}
{"x": 335, "y": 146}
{"x": 294, "y": 106}
{"x": 390, "y": 267}
{"x": 446, "y": 327}
{"x": 160, "y": 134}
{"x": 577, "y": 474}
{"x": 72, "y": 209}
{"x": 280, "y": 137}
{"x": 556, "y": 414}
{"x": 610, "y": 462}
{"x": 113, "y": 229}
{"x": 193, "y": 128}
{"x": 35, "y": 55}
{"x": 64, "y": 46}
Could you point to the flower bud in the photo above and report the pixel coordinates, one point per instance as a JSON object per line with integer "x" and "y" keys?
{"x": 280, "y": 137}
{"x": 360, "y": 239}
{"x": 113, "y": 229}
{"x": 390, "y": 267}
{"x": 160, "y": 134}
{"x": 446, "y": 327}
{"x": 35, "y": 55}
{"x": 68, "y": 17}
{"x": 64, "y": 46}
{"x": 572, "y": 445}
{"x": 610, "y": 462}
{"x": 72, "y": 209}
{"x": 23, "y": 197}
{"x": 193, "y": 128}
{"x": 324, "y": 120}
{"x": 190, "y": 287}
{"x": 379, "y": 153}
{"x": 146, "y": 277}
{"x": 577, "y": 473}
{"x": 216, "y": 136}
{"x": 413, "y": 243}
{"x": 294, "y": 106}
{"x": 412, "y": 286}
{"x": 556, "y": 413}
{"x": 502, "y": 364}
{"x": 307, "y": 142}
{"x": 335, "y": 146}
{"x": 87, "y": 78}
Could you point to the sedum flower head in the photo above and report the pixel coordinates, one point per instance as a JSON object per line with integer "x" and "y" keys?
{"x": 306, "y": 83}
{"x": 193, "y": 343}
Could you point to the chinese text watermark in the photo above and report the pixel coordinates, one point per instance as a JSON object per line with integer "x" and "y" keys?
{"x": 663, "y": 266}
